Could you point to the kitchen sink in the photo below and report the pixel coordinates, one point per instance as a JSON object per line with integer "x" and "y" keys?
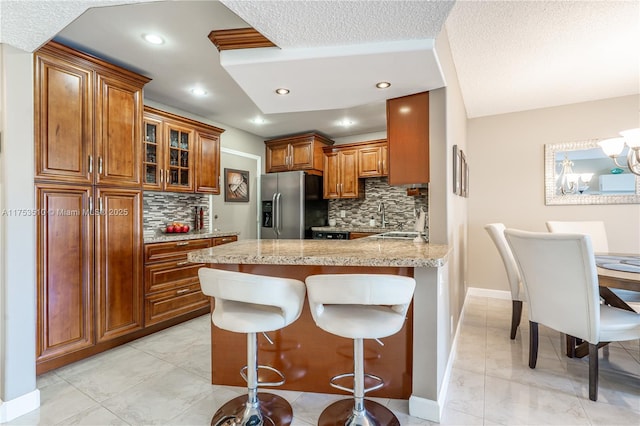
{"x": 397, "y": 235}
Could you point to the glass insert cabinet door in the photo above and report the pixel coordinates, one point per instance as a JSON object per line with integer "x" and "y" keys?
{"x": 180, "y": 171}
{"x": 153, "y": 167}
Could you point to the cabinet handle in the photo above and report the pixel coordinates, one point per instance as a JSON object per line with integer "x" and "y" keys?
{"x": 161, "y": 176}
{"x": 99, "y": 165}
{"x": 90, "y": 204}
{"x": 183, "y": 291}
{"x": 167, "y": 176}
{"x": 90, "y": 164}
{"x": 182, "y": 243}
{"x": 100, "y": 204}
{"x": 186, "y": 262}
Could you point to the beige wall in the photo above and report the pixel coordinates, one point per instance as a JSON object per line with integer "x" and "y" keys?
{"x": 506, "y": 155}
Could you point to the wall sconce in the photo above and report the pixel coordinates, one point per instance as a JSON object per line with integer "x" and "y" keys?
{"x": 613, "y": 148}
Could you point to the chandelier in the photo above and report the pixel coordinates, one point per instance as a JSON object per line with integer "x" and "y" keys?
{"x": 613, "y": 148}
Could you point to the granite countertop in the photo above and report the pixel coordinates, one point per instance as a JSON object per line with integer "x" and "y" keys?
{"x": 376, "y": 229}
{"x": 191, "y": 235}
{"x": 367, "y": 251}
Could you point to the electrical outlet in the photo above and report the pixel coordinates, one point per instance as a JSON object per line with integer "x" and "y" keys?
{"x": 343, "y": 213}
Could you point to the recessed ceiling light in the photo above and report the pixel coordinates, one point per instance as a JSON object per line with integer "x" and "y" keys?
{"x": 282, "y": 91}
{"x": 153, "y": 38}
{"x": 383, "y": 85}
{"x": 198, "y": 92}
{"x": 258, "y": 120}
{"x": 346, "y": 123}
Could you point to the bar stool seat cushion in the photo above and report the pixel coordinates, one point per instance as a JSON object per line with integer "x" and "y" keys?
{"x": 359, "y": 306}
{"x": 247, "y": 303}
{"x": 242, "y": 317}
{"x": 359, "y": 322}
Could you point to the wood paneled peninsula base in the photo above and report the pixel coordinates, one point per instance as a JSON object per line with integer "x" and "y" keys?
{"x": 412, "y": 362}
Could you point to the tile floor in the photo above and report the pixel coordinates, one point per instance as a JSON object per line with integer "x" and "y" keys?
{"x": 164, "y": 379}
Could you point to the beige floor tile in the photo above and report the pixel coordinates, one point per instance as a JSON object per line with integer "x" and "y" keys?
{"x": 58, "y": 402}
{"x": 164, "y": 379}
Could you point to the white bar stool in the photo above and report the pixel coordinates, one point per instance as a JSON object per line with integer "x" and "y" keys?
{"x": 251, "y": 304}
{"x": 358, "y": 307}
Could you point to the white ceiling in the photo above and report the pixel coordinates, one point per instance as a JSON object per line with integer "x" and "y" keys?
{"x": 510, "y": 56}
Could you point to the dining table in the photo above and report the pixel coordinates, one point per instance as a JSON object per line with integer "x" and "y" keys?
{"x": 615, "y": 271}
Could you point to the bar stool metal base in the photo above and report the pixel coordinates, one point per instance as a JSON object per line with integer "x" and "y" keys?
{"x": 341, "y": 413}
{"x": 275, "y": 410}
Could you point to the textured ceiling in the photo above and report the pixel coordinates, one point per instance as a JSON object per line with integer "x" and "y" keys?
{"x": 509, "y": 55}
{"x": 295, "y": 24}
{"x": 521, "y": 55}
{"x": 28, "y": 24}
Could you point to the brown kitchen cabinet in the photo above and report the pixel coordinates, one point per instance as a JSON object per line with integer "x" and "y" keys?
{"x": 118, "y": 262}
{"x": 180, "y": 154}
{"x": 224, "y": 240}
{"x": 408, "y": 139}
{"x": 172, "y": 287}
{"x": 88, "y": 116}
{"x": 298, "y": 152}
{"x": 89, "y": 274}
{"x": 88, "y": 184}
{"x": 208, "y": 163}
{"x": 340, "y": 178}
{"x": 356, "y": 235}
{"x": 65, "y": 272}
{"x": 372, "y": 159}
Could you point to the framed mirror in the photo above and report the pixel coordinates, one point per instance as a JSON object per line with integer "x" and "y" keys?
{"x": 581, "y": 173}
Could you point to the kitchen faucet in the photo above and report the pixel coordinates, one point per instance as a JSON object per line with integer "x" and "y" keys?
{"x": 381, "y": 211}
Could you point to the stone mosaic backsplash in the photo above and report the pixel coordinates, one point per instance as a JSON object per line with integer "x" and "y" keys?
{"x": 159, "y": 208}
{"x": 399, "y": 207}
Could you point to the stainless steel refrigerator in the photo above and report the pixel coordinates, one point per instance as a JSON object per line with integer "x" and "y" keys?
{"x": 291, "y": 203}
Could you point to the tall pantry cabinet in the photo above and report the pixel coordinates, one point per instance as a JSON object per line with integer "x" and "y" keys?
{"x": 88, "y": 117}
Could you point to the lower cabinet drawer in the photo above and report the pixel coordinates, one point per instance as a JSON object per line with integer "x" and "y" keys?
{"x": 170, "y": 275}
{"x": 168, "y": 304}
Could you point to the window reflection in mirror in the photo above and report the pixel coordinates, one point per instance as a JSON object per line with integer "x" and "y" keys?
{"x": 580, "y": 173}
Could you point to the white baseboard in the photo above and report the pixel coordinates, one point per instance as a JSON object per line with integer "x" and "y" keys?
{"x": 16, "y": 407}
{"x": 425, "y": 408}
{"x": 485, "y": 292}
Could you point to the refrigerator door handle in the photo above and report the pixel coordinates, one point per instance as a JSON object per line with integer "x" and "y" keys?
{"x": 278, "y": 220}
{"x": 274, "y": 201}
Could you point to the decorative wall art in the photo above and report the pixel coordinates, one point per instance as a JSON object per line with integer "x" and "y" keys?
{"x": 464, "y": 175}
{"x": 236, "y": 185}
{"x": 456, "y": 170}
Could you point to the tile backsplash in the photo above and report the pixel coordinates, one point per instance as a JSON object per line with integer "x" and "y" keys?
{"x": 162, "y": 207}
{"x": 399, "y": 207}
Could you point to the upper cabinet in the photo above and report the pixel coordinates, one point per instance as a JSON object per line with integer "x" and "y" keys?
{"x": 408, "y": 139}
{"x": 88, "y": 117}
{"x": 299, "y": 152}
{"x": 373, "y": 159}
{"x": 180, "y": 154}
{"x": 340, "y": 178}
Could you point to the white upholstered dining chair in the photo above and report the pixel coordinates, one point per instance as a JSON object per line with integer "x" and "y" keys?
{"x": 561, "y": 281}
{"x": 496, "y": 232}
{"x": 600, "y": 243}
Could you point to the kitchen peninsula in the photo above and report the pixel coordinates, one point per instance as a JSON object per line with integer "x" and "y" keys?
{"x": 412, "y": 362}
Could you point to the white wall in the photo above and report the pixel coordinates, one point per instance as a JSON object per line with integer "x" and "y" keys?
{"x": 507, "y": 177}
{"x": 17, "y": 247}
{"x": 447, "y": 214}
